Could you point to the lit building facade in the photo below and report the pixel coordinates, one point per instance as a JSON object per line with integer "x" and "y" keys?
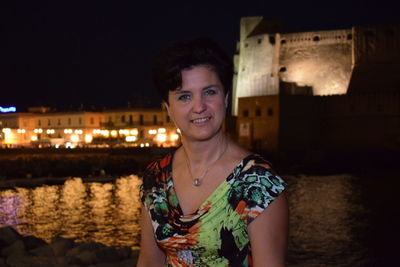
{"x": 128, "y": 127}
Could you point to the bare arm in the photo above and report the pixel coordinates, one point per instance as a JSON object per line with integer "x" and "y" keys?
{"x": 150, "y": 254}
{"x": 268, "y": 234}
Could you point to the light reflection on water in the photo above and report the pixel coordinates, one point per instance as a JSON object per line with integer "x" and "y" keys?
{"x": 322, "y": 231}
{"x": 337, "y": 220}
{"x": 106, "y": 213}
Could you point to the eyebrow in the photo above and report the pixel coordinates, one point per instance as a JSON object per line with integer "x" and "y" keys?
{"x": 205, "y": 88}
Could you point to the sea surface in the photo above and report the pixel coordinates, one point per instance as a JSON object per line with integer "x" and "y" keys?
{"x": 335, "y": 220}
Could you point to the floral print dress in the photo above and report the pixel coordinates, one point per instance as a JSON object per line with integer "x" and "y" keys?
{"x": 216, "y": 234}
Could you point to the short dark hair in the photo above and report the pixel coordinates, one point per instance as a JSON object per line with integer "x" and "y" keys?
{"x": 169, "y": 64}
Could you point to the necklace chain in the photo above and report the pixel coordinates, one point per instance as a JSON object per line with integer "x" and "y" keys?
{"x": 197, "y": 181}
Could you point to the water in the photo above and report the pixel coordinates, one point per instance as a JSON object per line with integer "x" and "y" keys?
{"x": 106, "y": 213}
{"x": 337, "y": 220}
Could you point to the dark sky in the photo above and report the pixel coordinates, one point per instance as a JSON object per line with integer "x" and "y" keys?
{"x": 66, "y": 54}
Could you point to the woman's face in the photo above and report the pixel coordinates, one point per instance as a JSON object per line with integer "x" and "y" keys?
{"x": 198, "y": 106}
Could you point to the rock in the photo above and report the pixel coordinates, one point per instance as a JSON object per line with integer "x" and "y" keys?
{"x": 87, "y": 257}
{"x": 108, "y": 254}
{"x": 64, "y": 262}
{"x": 8, "y": 235}
{"x": 124, "y": 252}
{"x": 127, "y": 263}
{"x": 84, "y": 253}
{"x": 32, "y": 242}
{"x": 3, "y": 262}
{"x": 19, "y": 260}
{"x": 43, "y": 251}
{"x": 61, "y": 245}
{"x": 17, "y": 248}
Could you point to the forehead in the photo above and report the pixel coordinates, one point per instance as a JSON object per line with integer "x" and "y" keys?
{"x": 199, "y": 76}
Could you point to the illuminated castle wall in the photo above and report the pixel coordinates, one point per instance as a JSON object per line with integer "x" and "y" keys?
{"x": 317, "y": 90}
{"x": 329, "y": 62}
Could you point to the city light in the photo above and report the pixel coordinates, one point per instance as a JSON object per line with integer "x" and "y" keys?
{"x": 174, "y": 137}
{"x": 50, "y": 131}
{"x": 123, "y": 132}
{"x": 78, "y": 131}
{"x": 20, "y": 131}
{"x": 114, "y": 133}
{"x": 75, "y": 138}
{"x": 134, "y": 132}
{"x": 162, "y": 130}
{"x": 6, "y": 130}
{"x": 152, "y": 131}
{"x": 88, "y": 138}
{"x": 68, "y": 131}
{"x": 8, "y": 110}
{"x": 34, "y": 138}
{"x": 130, "y": 138}
{"x": 38, "y": 131}
{"x": 161, "y": 137}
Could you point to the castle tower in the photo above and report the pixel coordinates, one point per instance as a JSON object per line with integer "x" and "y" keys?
{"x": 257, "y": 54}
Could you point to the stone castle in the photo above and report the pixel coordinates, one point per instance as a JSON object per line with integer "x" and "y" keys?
{"x": 319, "y": 90}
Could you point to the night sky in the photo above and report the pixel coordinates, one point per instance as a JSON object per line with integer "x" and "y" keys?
{"x": 97, "y": 54}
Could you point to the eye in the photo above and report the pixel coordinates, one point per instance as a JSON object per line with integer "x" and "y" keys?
{"x": 210, "y": 92}
{"x": 184, "y": 97}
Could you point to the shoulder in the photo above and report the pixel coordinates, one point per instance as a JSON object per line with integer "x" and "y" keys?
{"x": 254, "y": 186}
{"x": 156, "y": 172}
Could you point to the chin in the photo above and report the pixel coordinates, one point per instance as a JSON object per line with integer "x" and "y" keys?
{"x": 203, "y": 136}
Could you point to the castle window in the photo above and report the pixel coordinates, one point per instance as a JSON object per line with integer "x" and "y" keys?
{"x": 349, "y": 36}
{"x": 39, "y": 123}
{"x": 272, "y": 40}
{"x": 80, "y": 120}
{"x": 168, "y": 119}
{"x": 258, "y": 112}
{"x": 245, "y": 113}
{"x": 48, "y": 122}
{"x": 270, "y": 112}
{"x": 389, "y": 33}
{"x": 91, "y": 120}
{"x": 283, "y": 41}
{"x": 59, "y": 122}
{"x": 316, "y": 38}
{"x": 259, "y": 41}
{"x": 69, "y": 121}
{"x": 246, "y": 45}
{"x": 282, "y": 69}
{"x": 130, "y": 119}
{"x": 369, "y": 33}
{"x": 122, "y": 118}
{"x": 141, "y": 119}
{"x": 154, "y": 119}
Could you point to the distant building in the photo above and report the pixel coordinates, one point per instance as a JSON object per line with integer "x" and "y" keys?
{"x": 317, "y": 90}
{"x": 128, "y": 127}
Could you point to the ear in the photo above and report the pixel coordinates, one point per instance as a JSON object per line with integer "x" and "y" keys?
{"x": 166, "y": 105}
{"x": 226, "y": 100}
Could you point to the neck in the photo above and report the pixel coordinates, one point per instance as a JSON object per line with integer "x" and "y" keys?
{"x": 202, "y": 153}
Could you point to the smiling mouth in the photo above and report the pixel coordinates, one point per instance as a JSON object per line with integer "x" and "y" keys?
{"x": 200, "y": 120}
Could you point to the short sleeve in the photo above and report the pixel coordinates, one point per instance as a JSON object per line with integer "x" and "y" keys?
{"x": 255, "y": 187}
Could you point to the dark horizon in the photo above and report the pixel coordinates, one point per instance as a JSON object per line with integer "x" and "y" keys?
{"x": 88, "y": 56}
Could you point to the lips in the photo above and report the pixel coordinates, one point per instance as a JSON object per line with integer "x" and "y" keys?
{"x": 201, "y": 120}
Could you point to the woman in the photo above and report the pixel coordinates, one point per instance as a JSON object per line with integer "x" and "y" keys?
{"x": 211, "y": 202}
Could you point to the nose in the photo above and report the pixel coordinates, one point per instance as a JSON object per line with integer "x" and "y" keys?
{"x": 199, "y": 105}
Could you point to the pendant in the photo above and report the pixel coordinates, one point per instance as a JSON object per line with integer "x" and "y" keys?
{"x": 196, "y": 182}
